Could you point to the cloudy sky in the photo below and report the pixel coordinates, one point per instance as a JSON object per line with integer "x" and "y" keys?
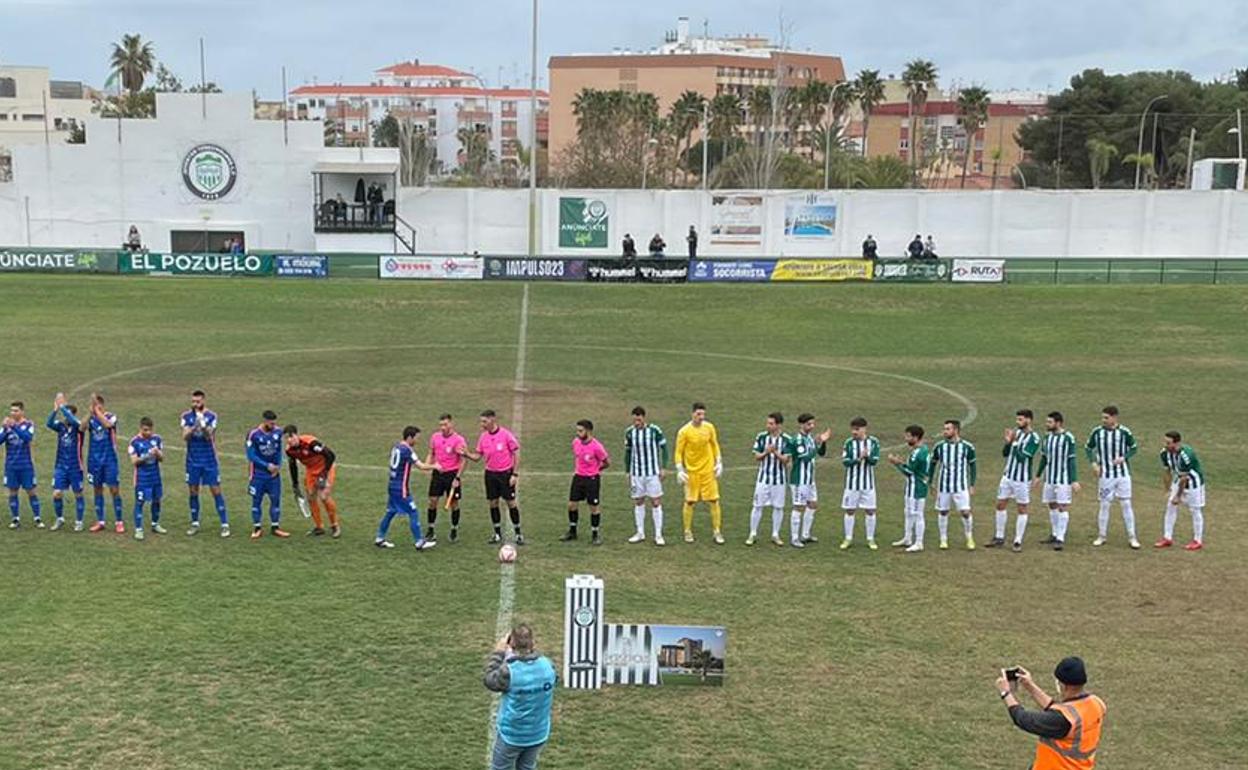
{"x": 1007, "y": 44}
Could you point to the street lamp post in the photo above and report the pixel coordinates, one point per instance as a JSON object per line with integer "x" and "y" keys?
{"x": 645, "y": 157}
{"x": 828, "y": 135}
{"x": 1139, "y": 149}
{"x": 706, "y": 134}
{"x": 533, "y": 137}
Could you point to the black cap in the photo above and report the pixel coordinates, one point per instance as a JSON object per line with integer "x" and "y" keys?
{"x": 269, "y": 414}
{"x": 1071, "y": 671}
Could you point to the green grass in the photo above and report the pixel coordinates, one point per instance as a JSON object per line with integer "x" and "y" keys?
{"x": 203, "y": 653}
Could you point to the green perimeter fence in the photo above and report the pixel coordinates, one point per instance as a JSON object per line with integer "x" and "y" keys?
{"x": 1014, "y": 270}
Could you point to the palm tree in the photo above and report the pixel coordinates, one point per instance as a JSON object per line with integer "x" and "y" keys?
{"x": 1100, "y": 153}
{"x": 973, "y": 105}
{"x": 869, "y": 89}
{"x": 919, "y": 77}
{"x": 685, "y": 115}
{"x": 725, "y": 115}
{"x": 702, "y": 660}
{"x": 883, "y": 172}
{"x": 132, "y": 60}
{"x": 813, "y": 99}
{"x": 1145, "y": 161}
{"x": 759, "y": 105}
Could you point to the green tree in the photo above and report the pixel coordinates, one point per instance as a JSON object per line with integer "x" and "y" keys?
{"x": 919, "y": 77}
{"x": 132, "y": 60}
{"x": 386, "y": 131}
{"x": 726, "y": 118}
{"x": 973, "y": 103}
{"x": 1100, "y": 154}
{"x": 684, "y": 116}
{"x": 1145, "y": 162}
{"x": 759, "y": 105}
{"x": 869, "y": 89}
{"x": 475, "y": 147}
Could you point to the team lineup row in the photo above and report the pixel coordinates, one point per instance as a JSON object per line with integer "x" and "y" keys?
{"x": 786, "y": 468}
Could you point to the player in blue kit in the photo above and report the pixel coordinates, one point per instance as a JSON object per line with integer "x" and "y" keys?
{"x": 402, "y": 459}
{"x": 102, "y": 467}
{"x": 16, "y": 434}
{"x": 146, "y": 451}
{"x": 264, "y": 452}
{"x": 199, "y": 431}
{"x": 68, "y": 472}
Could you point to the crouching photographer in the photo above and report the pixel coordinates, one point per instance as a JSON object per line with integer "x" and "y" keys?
{"x": 1068, "y": 726}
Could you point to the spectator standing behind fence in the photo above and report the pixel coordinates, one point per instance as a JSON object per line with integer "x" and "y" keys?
{"x": 915, "y": 249}
{"x": 929, "y": 248}
{"x": 657, "y": 245}
{"x": 692, "y": 240}
{"x": 870, "y": 249}
{"x": 526, "y": 681}
{"x": 630, "y": 247}
{"x": 376, "y": 203}
{"x": 1069, "y": 726}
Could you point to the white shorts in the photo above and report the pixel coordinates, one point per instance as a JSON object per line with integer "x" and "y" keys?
{"x": 1108, "y": 489}
{"x": 1019, "y": 491}
{"x": 805, "y": 495}
{"x": 645, "y": 486}
{"x": 1056, "y": 493}
{"x": 960, "y": 500}
{"x": 769, "y": 495}
{"x": 854, "y": 499}
{"x": 915, "y": 506}
{"x": 1192, "y": 498}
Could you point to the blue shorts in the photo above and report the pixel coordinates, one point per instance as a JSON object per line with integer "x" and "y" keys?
{"x": 267, "y": 485}
{"x": 67, "y": 478}
{"x": 103, "y": 473}
{"x": 399, "y": 503}
{"x": 203, "y": 476}
{"x": 20, "y": 478}
{"x": 149, "y": 493}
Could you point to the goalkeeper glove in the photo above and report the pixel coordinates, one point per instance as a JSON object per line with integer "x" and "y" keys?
{"x": 719, "y": 468}
{"x": 681, "y": 476}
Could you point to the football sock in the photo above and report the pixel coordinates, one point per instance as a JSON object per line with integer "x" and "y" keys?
{"x": 1172, "y": 515}
{"x": 331, "y": 507}
{"x": 117, "y": 506}
{"x": 432, "y": 513}
{"x": 756, "y": 516}
{"x": 920, "y": 528}
{"x": 315, "y": 506}
{"x": 1063, "y": 521}
{"x": 496, "y": 519}
{"x": 1002, "y": 516}
{"x": 808, "y": 523}
{"x": 1053, "y": 517}
{"x": 455, "y": 518}
{"x": 717, "y": 516}
{"x": 138, "y": 515}
{"x": 99, "y": 506}
{"x": 1198, "y": 525}
{"x": 849, "y": 526}
{"x": 80, "y": 505}
{"x": 795, "y": 524}
{"x": 942, "y": 524}
{"x": 595, "y": 521}
{"x": 686, "y": 516}
{"x": 639, "y": 517}
{"x": 13, "y": 505}
{"x": 219, "y": 500}
{"x": 413, "y": 523}
{"x": 907, "y": 526}
{"x": 58, "y": 506}
{"x": 514, "y": 513}
{"x": 1020, "y": 527}
{"x": 255, "y": 510}
{"x": 193, "y": 504}
{"x": 1128, "y": 517}
{"x": 384, "y": 526}
{"x": 1102, "y": 519}
{"x": 870, "y": 525}
{"x": 968, "y": 525}
{"x": 777, "y": 519}
{"x": 155, "y": 511}
{"x": 574, "y": 517}
{"x": 656, "y": 513}
{"x": 275, "y": 513}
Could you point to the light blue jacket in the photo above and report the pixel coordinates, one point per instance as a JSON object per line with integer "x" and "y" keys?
{"x": 528, "y": 687}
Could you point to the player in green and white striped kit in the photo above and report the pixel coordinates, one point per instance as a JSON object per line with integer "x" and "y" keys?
{"x": 917, "y": 468}
{"x": 802, "y": 450}
{"x": 1110, "y": 447}
{"x": 1058, "y": 469}
{"x": 1021, "y": 445}
{"x": 1186, "y": 482}
{"x": 645, "y": 456}
{"x": 773, "y": 472}
{"x": 955, "y": 483}
{"x": 859, "y": 455}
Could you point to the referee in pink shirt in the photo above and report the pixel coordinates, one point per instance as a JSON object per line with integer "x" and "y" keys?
{"x": 446, "y": 452}
{"x": 501, "y": 451}
{"x": 591, "y": 459}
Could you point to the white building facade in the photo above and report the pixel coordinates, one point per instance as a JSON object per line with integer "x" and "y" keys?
{"x": 440, "y": 99}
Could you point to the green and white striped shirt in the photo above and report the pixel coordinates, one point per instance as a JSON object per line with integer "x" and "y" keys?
{"x": 803, "y": 449}
{"x": 645, "y": 450}
{"x": 957, "y": 465}
{"x": 1184, "y": 463}
{"x": 859, "y": 472}
{"x": 1107, "y": 444}
{"x": 1057, "y": 458}
{"x": 918, "y": 470}
{"x": 1018, "y": 455}
{"x": 771, "y": 467}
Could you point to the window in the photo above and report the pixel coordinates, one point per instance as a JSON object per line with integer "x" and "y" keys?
{"x": 8, "y": 88}
{"x": 4, "y": 116}
{"x": 929, "y": 122}
{"x": 31, "y": 118}
{"x": 904, "y": 145}
{"x": 979, "y": 143}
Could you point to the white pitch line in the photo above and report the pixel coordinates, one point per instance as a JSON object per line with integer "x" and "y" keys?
{"x": 507, "y": 571}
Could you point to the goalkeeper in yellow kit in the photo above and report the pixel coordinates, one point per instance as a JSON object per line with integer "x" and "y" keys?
{"x": 698, "y": 466}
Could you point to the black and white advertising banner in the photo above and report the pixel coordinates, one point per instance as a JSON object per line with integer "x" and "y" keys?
{"x": 582, "y": 632}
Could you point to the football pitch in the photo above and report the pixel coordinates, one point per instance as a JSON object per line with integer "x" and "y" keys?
{"x": 202, "y": 652}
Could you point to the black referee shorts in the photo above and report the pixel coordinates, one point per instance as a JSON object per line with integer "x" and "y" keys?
{"x": 498, "y": 486}
{"x": 443, "y": 482}
{"x": 585, "y": 488}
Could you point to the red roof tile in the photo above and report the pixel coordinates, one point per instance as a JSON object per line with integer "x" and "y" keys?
{"x": 350, "y": 90}
{"x": 415, "y": 69}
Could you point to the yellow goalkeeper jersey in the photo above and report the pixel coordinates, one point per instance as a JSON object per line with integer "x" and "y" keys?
{"x": 697, "y": 447}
